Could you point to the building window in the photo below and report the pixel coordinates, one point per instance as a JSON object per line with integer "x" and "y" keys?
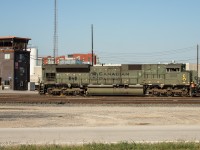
{"x": 22, "y": 71}
{"x": 21, "y": 56}
{"x": 7, "y": 56}
{"x": 6, "y": 82}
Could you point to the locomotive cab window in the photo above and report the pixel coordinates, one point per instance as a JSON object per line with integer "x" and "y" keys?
{"x": 172, "y": 69}
{"x": 50, "y": 76}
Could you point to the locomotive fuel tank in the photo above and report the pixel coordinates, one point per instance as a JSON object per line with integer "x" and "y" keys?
{"x": 115, "y": 90}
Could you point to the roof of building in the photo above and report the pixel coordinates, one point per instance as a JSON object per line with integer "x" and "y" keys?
{"x": 13, "y": 37}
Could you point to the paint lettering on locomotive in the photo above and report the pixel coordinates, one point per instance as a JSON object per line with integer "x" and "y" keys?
{"x": 113, "y": 74}
{"x": 184, "y": 78}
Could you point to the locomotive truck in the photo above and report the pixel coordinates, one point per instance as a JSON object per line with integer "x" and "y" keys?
{"x": 125, "y": 79}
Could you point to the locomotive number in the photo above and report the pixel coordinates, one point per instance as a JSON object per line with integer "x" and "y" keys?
{"x": 184, "y": 78}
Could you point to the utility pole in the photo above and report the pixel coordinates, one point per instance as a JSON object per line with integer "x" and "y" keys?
{"x": 55, "y": 37}
{"x": 197, "y": 64}
{"x": 92, "y": 45}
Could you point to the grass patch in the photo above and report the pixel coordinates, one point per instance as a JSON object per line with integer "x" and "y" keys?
{"x": 119, "y": 146}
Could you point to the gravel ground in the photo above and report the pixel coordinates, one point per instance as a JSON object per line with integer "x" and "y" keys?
{"x": 68, "y": 115}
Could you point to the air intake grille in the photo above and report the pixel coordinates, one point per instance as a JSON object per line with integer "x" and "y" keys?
{"x": 134, "y": 67}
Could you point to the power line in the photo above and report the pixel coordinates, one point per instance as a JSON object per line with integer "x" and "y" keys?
{"x": 181, "y": 54}
{"x": 149, "y": 53}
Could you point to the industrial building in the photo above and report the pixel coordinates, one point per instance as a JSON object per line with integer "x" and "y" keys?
{"x": 35, "y": 69}
{"x": 71, "y": 59}
{"x": 85, "y": 58}
{"x": 193, "y": 67}
{"x": 14, "y": 63}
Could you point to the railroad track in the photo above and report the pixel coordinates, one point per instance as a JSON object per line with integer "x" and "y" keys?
{"x": 38, "y": 99}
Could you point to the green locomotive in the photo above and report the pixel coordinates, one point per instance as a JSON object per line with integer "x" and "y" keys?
{"x": 126, "y": 79}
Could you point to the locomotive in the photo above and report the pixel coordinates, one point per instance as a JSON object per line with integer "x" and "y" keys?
{"x": 125, "y": 79}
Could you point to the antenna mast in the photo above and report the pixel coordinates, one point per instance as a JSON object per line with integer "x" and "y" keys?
{"x": 55, "y": 37}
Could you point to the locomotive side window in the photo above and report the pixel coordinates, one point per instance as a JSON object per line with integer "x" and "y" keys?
{"x": 50, "y": 76}
{"x": 73, "y": 78}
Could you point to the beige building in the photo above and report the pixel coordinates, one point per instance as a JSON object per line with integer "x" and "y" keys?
{"x": 37, "y": 76}
{"x": 190, "y": 66}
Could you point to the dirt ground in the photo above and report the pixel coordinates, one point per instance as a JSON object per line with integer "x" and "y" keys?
{"x": 67, "y": 115}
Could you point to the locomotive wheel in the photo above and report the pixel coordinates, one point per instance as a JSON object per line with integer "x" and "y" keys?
{"x": 169, "y": 93}
{"x": 74, "y": 93}
{"x": 184, "y": 93}
{"x": 49, "y": 91}
{"x": 156, "y": 93}
{"x": 63, "y": 92}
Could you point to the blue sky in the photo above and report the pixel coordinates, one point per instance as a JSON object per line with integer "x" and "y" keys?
{"x": 125, "y": 31}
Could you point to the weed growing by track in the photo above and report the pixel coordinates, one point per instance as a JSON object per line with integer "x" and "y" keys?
{"x": 119, "y": 146}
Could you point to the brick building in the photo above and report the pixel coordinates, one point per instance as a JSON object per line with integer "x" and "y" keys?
{"x": 71, "y": 59}
{"x": 85, "y": 58}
